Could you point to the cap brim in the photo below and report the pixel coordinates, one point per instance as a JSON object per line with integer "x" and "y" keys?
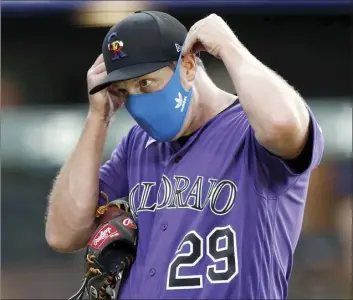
{"x": 129, "y": 72}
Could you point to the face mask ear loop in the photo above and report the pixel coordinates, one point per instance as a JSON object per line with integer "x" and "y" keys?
{"x": 178, "y": 65}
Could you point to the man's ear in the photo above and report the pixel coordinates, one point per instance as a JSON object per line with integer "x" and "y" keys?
{"x": 189, "y": 65}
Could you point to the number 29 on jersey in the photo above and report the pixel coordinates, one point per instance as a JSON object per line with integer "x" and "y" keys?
{"x": 197, "y": 246}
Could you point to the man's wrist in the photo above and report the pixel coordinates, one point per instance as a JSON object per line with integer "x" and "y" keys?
{"x": 234, "y": 50}
{"x": 238, "y": 60}
{"x": 97, "y": 118}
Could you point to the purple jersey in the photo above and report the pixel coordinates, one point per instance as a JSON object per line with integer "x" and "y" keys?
{"x": 219, "y": 217}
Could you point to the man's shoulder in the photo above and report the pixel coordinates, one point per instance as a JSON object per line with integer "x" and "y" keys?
{"x": 233, "y": 120}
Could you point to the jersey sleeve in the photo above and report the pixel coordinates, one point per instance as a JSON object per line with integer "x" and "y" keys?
{"x": 113, "y": 180}
{"x": 281, "y": 174}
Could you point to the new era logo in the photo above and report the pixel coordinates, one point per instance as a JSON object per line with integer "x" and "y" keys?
{"x": 177, "y": 47}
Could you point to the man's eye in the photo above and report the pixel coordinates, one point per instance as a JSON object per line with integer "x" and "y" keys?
{"x": 145, "y": 83}
{"x": 122, "y": 92}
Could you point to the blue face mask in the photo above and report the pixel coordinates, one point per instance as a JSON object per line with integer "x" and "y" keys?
{"x": 162, "y": 114}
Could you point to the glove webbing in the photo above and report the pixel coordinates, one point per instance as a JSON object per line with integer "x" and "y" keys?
{"x": 110, "y": 281}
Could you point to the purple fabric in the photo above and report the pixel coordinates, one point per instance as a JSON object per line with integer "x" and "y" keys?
{"x": 237, "y": 208}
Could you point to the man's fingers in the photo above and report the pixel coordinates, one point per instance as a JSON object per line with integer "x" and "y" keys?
{"x": 98, "y": 61}
{"x": 100, "y": 68}
{"x": 97, "y": 70}
{"x": 189, "y": 42}
{"x": 96, "y": 79}
{"x": 192, "y": 37}
{"x": 100, "y": 76}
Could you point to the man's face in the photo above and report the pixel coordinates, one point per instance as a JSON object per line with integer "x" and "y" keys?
{"x": 156, "y": 81}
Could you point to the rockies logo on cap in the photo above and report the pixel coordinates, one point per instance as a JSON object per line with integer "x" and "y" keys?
{"x": 115, "y": 47}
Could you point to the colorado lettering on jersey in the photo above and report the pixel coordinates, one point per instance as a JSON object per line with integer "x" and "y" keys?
{"x": 183, "y": 193}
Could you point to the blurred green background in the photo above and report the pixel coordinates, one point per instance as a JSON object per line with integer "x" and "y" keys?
{"x": 46, "y": 51}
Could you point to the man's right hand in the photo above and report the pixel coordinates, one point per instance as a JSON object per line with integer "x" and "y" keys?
{"x": 105, "y": 103}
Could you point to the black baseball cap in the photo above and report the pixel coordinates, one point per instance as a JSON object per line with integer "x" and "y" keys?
{"x": 140, "y": 44}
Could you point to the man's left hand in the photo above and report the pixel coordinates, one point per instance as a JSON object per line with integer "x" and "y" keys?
{"x": 210, "y": 34}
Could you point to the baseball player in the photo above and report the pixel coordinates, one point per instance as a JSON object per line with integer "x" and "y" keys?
{"x": 216, "y": 183}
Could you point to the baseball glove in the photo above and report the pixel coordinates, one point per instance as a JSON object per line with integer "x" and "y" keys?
{"x": 110, "y": 251}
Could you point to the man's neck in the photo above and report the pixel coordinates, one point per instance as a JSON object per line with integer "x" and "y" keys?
{"x": 210, "y": 101}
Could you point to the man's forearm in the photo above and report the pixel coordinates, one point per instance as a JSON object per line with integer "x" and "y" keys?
{"x": 276, "y": 112}
{"x": 74, "y": 197}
